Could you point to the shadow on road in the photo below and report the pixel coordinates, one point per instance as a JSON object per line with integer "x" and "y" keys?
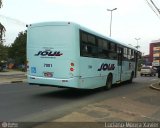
{"x": 67, "y": 93}
{"x": 70, "y": 93}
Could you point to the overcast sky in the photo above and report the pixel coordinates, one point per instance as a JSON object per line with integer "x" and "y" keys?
{"x": 132, "y": 19}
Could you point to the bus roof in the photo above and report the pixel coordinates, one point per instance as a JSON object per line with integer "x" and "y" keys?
{"x": 63, "y": 23}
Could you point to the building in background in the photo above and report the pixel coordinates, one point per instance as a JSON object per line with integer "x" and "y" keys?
{"x": 146, "y": 60}
{"x": 154, "y": 56}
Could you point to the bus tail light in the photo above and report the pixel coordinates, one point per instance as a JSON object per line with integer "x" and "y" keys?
{"x": 72, "y": 69}
{"x": 71, "y": 66}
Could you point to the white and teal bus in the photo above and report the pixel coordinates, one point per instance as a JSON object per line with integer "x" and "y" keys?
{"x": 65, "y": 54}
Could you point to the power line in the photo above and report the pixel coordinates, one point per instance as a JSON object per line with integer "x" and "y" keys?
{"x": 15, "y": 21}
{"x": 153, "y": 7}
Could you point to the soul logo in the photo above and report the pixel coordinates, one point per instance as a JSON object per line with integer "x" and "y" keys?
{"x": 105, "y": 67}
{"x": 49, "y": 53}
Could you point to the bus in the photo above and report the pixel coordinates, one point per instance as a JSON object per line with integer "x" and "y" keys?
{"x": 66, "y": 54}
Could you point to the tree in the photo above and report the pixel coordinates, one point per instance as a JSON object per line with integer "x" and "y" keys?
{"x": 3, "y": 55}
{"x": 0, "y": 3}
{"x": 2, "y": 32}
{"x": 17, "y": 50}
{"x": 3, "y": 49}
{"x": 4, "y": 52}
{"x": 2, "y": 28}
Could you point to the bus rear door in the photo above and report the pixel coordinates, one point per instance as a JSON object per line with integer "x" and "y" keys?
{"x": 119, "y": 63}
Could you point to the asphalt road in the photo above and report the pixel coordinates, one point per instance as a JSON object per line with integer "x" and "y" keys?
{"x": 23, "y": 102}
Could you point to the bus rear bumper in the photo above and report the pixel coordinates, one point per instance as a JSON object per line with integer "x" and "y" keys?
{"x": 67, "y": 83}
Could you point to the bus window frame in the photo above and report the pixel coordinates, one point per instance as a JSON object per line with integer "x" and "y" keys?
{"x": 97, "y": 48}
{"x": 88, "y": 48}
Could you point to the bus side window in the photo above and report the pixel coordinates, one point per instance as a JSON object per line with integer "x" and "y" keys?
{"x": 113, "y": 51}
{"x": 83, "y": 45}
{"x": 103, "y": 48}
{"x": 129, "y": 54}
{"x": 132, "y": 55}
{"x": 92, "y": 46}
{"x": 88, "y": 46}
{"x": 125, "y": 54}
{"x": 84, "y": 48}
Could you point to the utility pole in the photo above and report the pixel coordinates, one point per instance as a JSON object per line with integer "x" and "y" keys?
{"x": 137, "y": 39}
{"x": 111, "y": 10}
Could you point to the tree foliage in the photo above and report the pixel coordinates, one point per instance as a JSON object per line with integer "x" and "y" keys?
{"x": 3, "y": 49}
{"x": 0, "y": 3}
{"x": 2, "y": 32}
{"x": 17, "y": 50}
{"x": 3, "y": 53}
{"x": 2, "y": 28}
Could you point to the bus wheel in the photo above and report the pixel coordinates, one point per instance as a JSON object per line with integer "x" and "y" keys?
{"x": 109, "y": 82}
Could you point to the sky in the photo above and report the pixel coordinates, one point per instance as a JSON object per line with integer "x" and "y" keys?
{"x": 132, "y": 19}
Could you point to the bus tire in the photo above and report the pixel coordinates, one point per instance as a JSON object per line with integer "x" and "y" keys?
{"x": 109, "y": 82}
{"x": 131, "y": 77}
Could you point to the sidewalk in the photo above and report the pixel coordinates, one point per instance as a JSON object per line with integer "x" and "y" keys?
{"x": 12, "y": 76}
{"x": 155, "y": 86}
{"x": 139, "y": 106}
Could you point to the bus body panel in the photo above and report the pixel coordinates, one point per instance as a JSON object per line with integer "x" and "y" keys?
{"x": 51, "y": 52}
{"x": 127, "y": 69}
{"x": 94, "y": 72}
{"x": 93, "y": 77}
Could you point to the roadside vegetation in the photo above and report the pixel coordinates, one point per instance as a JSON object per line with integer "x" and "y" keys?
{"x": 13, "y": 56}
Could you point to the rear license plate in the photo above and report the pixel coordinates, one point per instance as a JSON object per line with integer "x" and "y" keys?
{"x": 48, "y": 74}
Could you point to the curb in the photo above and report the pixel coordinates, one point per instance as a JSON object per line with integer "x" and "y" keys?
{"x": 154, "y": 87}
{"x": 18, "y": 81}
{"x": 13, "y": 81}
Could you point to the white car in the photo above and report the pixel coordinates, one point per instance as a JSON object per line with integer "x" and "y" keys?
{"x": 148, "y": 70}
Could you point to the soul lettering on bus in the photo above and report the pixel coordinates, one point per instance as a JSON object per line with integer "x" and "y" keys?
{"x": 49, "y": 53}
{"x": 105, "y": 67}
